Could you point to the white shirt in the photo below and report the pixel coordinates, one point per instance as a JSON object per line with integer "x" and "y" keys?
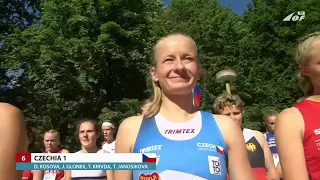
{"x": 88, "y": 174}
{"x": 109, "y": 147}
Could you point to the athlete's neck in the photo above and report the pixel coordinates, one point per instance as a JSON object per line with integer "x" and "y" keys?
{"x": 92, "y": 149}
{"x": 53, "y": 150}
{"x": 109, "y": 141}
{"x": 315, "y": 97}
{"x": 177, "y": 108}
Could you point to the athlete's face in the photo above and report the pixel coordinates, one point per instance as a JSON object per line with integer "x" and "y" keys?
{"x": 312, "y": 68}
{"x": 271, "y": 123}
{"x": 108, "y": 132}
{"x": 233, "y": 112}
{"x": 87, "y": 135}
{"x": 177, "y": 70}
{"x": 51, "y": 142}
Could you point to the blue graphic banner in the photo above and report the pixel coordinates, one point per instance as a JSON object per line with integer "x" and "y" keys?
{"x": 85, "y": 166}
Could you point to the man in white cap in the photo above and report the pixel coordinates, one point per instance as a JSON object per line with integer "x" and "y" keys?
{"x": 108, "y": 130}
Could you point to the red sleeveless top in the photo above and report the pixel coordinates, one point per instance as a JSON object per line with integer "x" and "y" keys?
{"x": 48, "y": 174}
{"x": 311, "y": 140}
{"x": 27, "y": 175}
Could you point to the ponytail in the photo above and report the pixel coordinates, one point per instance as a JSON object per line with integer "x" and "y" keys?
{"x": 154, "y": 108}
{"x": 305, "y": 84}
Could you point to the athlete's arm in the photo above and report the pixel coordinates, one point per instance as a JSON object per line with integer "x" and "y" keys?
{"x": 67, "y": 175}
{"x": 289, "y": 132}
{"x": 238, "y": 162}
{"x": 279, "y": 171}
{"x": 64, "y": 151}
{"x": 126, "y": 137}
{"x": 33, "y": 178}
{"x": 268, "y": 158}
{"x": 109, "y": 173}
{"x": 13, "y": 140}
{"x": 38, "y": 175}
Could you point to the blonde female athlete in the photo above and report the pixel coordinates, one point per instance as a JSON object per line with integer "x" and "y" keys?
{"x": 300, "y": 156}
{"x": 190, "y": 144}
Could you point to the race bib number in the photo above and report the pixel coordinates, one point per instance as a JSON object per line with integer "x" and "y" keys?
{"x": 214, "y": 165}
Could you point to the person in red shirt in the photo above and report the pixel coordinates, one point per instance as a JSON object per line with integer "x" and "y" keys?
{"x": 51, "y": 142}
{"x": 297, "y": 131}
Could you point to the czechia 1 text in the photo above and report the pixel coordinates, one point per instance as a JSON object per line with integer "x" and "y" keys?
{"x": 50, "y": 158}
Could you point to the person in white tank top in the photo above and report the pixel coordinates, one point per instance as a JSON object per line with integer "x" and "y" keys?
{"x": 108, "y": 130}
{"x": 90, "y": 138}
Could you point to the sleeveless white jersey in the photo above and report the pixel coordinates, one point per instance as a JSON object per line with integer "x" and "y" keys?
{"x": 110, "y": 148}
{"x": 88, "y": 174}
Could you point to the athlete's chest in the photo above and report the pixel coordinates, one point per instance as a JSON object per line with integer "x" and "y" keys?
{"x": 178, "y": 154}
{"x": 183, "y": 160}
{"x": 312, "y": 143}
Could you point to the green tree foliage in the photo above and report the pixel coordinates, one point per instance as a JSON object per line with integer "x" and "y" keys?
{"x": 17, "y": 14}
{"x": 259, "y": 46}
{"x": 89, "y": 58}
{"x": 268, "y": 50}
{"x": 80, "y": 57}
{"x": 14, "y": 14}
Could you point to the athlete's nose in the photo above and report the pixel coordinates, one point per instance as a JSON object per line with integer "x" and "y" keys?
{"x": 179, "y": 66}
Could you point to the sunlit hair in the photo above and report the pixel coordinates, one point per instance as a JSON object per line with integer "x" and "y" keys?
{"x": 269, "y": 114}
{"x": 143, "y": 104}
{"x": 302, "y": 57}
{"x": 97, "y": 129}
{"x": 157, "y": 92}
{"x": 226, "y": 100}
{"x": 53, "y": 131}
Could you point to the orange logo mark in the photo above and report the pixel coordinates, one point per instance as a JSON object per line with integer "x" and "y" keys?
{"x": 152, "y": 176}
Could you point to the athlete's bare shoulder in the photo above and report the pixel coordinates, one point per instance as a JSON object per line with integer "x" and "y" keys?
{"x": 290, "y": 119}
{"x": 131, "y": 124}
{"x": 7, "y": 109}
{"x": 223, "y": 121}
{"x": 231, "y": 132}
{"x": 10, "y": 116}
{"x": 226, "y": 125}
{"x": 257, "y": 133}
{"x": 65, "y": 151}
{"x": 13, "y": 128}
{"x": 289, "y": 114}
{"x": 127, "y": 133}
{"x": 259, "y": 136}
